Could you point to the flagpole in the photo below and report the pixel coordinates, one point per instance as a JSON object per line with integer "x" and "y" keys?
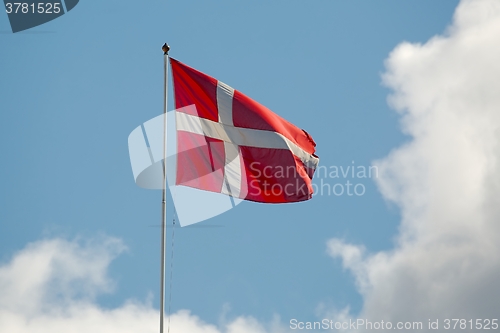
{"x": 165, "y": 49}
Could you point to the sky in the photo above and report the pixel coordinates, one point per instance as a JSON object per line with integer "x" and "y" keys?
{"x": 408, "y": 87}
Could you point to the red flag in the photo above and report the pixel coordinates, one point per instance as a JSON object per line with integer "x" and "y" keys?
{"x": 229, "y": 143}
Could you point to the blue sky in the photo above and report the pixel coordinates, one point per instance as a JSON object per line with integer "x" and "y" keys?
{"x": 73, "y": 89}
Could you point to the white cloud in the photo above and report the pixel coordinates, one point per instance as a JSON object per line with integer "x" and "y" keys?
{"x": 57, "y": 271}
{"x": 51, "y": 286}
{"x": 446, "y": 180}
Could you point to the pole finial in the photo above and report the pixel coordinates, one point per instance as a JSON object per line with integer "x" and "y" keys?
{"x": 165, "y": 48}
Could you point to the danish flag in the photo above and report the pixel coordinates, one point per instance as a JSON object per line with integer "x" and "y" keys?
{"x": 228, "y": 143}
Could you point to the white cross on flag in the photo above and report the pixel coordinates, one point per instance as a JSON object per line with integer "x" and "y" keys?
{"x": 228, "y": 143}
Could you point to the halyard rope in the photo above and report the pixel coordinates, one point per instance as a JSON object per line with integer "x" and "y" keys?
{"x": 171, "y": 274}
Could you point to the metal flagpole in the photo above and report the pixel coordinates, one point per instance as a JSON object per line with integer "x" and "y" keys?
{"x": 165, "y": 49}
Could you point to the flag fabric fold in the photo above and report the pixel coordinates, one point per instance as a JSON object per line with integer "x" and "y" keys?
{"x": 228, "y": 143}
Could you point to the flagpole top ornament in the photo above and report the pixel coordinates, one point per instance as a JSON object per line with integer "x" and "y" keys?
{"x": 165, "y": 48}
